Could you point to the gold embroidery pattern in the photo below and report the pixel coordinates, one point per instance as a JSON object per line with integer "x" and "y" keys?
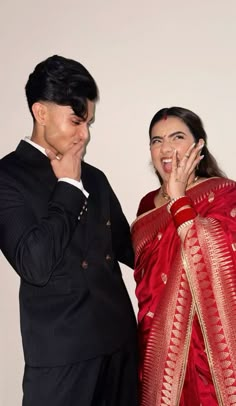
{"x": 168, "y": 344}
{"x": 164, "y": 278}
{"x": 211, "y": 197}
{"x": 143, "y": 235}
{"x": 210, "y": 271}
{"x": 233, "y": 212}
{"x": 150, "y": 314}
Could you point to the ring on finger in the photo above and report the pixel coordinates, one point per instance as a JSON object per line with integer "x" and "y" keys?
{"x": 180, "y": 181}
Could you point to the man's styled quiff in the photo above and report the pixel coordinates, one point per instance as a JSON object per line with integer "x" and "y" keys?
{"x": 62, "y": 81}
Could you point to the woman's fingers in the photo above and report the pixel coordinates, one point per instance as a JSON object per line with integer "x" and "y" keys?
{"x": 174, "y": 161}
{"x": 189, "y": 151}
{"x": 183, "y": 168}
{"x": 195, "y": 163}
{"x": 191, "y": 155}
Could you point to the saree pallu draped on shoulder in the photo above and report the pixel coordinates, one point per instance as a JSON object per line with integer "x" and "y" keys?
{"x": 181, "y": 286}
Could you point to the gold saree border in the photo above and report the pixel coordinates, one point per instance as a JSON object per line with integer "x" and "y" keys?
{"x": 168, "y": 343}
{"x": 210, "y": 270}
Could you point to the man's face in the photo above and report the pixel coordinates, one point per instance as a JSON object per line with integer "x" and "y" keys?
{"x": 62, "y": 128}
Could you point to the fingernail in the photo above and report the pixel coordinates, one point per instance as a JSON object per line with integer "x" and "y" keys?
{"x": 201, "y": 157}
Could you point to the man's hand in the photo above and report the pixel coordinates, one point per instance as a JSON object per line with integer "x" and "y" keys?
{"x": 69, "y": 164}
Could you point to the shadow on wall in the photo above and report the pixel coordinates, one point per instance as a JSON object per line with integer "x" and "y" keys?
{"x": 11, "y": 353}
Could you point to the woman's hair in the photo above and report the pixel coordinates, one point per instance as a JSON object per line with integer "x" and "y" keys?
{"x": 208, "y": 166}
{"x": 61, "y": 81}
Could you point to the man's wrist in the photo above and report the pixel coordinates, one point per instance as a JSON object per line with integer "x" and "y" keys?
{"x": 76, "y": 183}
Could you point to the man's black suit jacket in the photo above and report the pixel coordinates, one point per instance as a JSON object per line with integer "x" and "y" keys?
{"x": 73, "y": 302}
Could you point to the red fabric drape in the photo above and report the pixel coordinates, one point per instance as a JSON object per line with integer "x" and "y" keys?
{"x": 192, "y": 278}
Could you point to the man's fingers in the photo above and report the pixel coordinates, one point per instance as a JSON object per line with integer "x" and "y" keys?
{"x": 51, "y": 155}
{"x": 76, "y": 148}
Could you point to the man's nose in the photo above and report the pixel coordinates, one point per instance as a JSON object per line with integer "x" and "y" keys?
{"x": 83, "y": 132}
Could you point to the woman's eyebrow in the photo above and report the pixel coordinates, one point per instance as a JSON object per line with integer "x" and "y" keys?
{"x": 175, "y": 133}
{"x": 169, "y": 135}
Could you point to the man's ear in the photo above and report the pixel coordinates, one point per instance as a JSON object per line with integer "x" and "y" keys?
{"x": 40, "y": 112}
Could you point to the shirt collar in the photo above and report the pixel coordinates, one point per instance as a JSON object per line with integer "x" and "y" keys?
{"x": 37, "y": 146}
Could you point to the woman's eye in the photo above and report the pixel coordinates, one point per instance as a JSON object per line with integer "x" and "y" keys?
{"x": 178, "y": 137}
{"x": 76, "y": 122}
{"x": 155, "y": 141}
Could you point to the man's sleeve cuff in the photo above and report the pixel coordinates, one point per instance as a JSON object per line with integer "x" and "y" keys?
{"x": 76, "y": 183}
{"x": 69, "y": 197}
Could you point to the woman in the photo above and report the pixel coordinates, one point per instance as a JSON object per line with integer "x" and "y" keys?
{"x": 185, "y": 244}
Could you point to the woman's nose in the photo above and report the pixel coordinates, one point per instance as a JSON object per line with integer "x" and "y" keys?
{"x": 166, "y": 145}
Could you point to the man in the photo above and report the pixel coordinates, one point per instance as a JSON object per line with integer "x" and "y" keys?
{"x": 63, "y": 230}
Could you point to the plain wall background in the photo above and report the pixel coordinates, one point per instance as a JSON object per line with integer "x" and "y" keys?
{"x": 144, "y": 55}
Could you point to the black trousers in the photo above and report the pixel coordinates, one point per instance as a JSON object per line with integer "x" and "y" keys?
{"x": 109, "y": 380}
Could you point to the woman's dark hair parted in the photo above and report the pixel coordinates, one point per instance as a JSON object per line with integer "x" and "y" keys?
{"x": 62, "y": 81}
{"x": 208, "y": 166}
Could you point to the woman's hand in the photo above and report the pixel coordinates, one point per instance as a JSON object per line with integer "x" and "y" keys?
{"x": 183, "y": 170}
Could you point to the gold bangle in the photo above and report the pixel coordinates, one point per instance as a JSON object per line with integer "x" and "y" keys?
{"x": 183, "y": 225}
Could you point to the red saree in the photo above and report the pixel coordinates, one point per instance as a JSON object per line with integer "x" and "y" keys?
{"x": 187, "y": 300}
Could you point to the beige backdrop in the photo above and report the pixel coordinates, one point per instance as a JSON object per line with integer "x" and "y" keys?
{"x": 144, "y": 55}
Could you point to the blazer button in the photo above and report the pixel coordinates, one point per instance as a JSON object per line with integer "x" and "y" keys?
{"x": 108, "y": 223}
{"x": 108, "y": 257}
{"x": 84, "y": 264}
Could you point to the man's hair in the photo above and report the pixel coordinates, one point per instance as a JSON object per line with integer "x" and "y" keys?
{"x": 61, "y": 81}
